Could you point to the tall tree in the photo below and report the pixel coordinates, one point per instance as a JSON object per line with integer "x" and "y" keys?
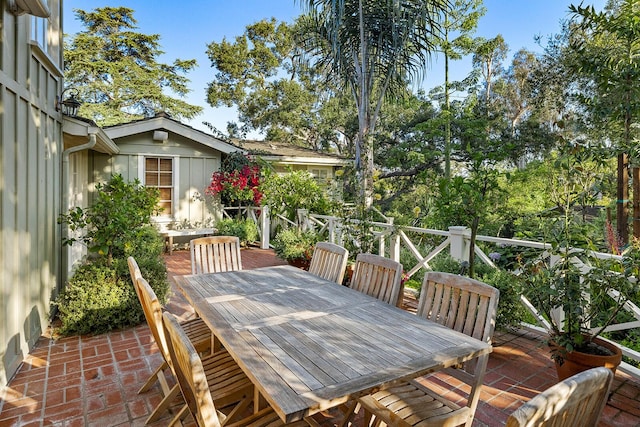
{"x": 460, "y": 22}
{"x": 261, "y": 74}
{"x": 609, "y": 53}
{"x": 116, "y": 72}
{"x": 374, "y": 48}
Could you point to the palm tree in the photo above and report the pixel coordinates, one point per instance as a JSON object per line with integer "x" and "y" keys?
{"x": 373, "y": 49}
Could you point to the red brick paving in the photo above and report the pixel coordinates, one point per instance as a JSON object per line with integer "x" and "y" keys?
{"x": 93, "y": 380}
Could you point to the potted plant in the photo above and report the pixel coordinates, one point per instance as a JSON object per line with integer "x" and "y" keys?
{"x": 577, "y": 290}
{"x": 580, "y": 295}
{"x": 295, "y": 246}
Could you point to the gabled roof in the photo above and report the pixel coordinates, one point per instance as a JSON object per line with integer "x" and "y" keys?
{"x": 290, "y": 154}
{"x": 164, "y": 122}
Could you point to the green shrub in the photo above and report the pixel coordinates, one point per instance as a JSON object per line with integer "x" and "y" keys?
{"x": 120, "y": 209}
{"x": 287, "y": 193}
{"x": 293, "y": 244}
{"x": 97, "y": 300}
{"x": 245, "y": 229}
{"x": 511, "y": 312}
{"x": 100, "y": 296}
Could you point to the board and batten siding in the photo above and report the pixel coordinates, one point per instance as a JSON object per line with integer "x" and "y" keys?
{"x": 192, "y": 163}
{"x": 30, "y": 152}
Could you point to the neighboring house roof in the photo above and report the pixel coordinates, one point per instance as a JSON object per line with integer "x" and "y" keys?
{"x": 163, "y": 122}
{"x": 290, "y": 154}
{"x": 77, "y": 131}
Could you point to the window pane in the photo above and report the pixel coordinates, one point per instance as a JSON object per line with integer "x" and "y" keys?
{"x": 165, "y": 165}
{"x": 151, "y": 164}
{"x": 165, "y": 180}
{"x": 165, "y": 193}
{"x": 151, "y": 179}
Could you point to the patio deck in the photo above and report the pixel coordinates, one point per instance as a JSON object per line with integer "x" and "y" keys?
{"x": 93, "y": 380}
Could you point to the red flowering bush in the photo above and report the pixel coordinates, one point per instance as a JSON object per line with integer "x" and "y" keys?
{"x": 238, "y": 183}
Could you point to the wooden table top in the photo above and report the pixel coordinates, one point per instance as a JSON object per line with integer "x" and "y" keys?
{"x": 309, "y": 344}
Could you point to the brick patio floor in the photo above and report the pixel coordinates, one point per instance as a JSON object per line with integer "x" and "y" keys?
{"x": 93, "y": 380}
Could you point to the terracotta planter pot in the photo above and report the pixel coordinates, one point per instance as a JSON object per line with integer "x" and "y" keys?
{"x": 576, "y": 362}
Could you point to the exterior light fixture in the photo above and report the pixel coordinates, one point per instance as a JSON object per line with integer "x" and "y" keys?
{"x": 69, "y": 106}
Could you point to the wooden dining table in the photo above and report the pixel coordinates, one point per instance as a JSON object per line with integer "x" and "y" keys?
{"x": 309, "y": 344}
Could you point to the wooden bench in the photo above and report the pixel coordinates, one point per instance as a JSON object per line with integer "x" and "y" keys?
{"x": 170, "y": 234}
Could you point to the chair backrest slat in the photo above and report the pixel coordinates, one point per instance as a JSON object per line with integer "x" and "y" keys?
{"x": 329, "y": 261}
{"x": 153, "y": 315}
{"x": 460, "y": 303}
{"x": 576, "y": 401}
{"x": 215, "y": 254}
{"x": 190, "y": 374}
{"x": 135, "y": 273}
{"x": 378, "y": 277}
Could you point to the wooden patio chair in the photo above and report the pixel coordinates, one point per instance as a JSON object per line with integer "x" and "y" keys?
{"x": 459, "y": 303}
{"x": 576, "y": 401}
{"x": 215, "y": 254}
{"x": 378, "y": 277}
{"x": 199, "y": 336}
{"x": 329, "y": 261}
{"x": 195, "y": 384}
{"x": 135, "y": 273}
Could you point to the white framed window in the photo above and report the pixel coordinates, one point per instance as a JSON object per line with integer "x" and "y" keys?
{"x": 319, "y": 174}
{"x": 45, "y": 32}
{"x": 159, "y": 172}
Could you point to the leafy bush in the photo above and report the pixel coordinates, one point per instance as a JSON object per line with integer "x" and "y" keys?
{"x": 293, "y": 244}
{"x": 119, "y": 210}
{"x": 245, "y": 229}
{"x": 100, "y": 296}
{"x": 285, "y": 194}
{"x": 96, "y": 300}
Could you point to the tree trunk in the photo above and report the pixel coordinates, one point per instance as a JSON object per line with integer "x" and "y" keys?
{"x": 447, "y": 106}
{"x": 623, "y": 198}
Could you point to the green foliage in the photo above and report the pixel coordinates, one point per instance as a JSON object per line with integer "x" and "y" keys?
{"x": 293, "y": 244}
{"x": 96, "y": 300}
{"x": 113, "y": 221}
{"x": 261, "y": 73}
{"x": 511, "y": 313}
{"x": 577, "y": 281}
{"x": 245, "y": 229}
{"x": 100, "y": 296}
{"x": 116, "y": 71}
{"x": 287, "y": 193}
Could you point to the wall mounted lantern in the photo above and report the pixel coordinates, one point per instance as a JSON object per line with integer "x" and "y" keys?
{"x": 69, "y": 106}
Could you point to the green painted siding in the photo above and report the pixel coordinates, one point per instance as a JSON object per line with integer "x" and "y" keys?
{"x": 30, "y": 173}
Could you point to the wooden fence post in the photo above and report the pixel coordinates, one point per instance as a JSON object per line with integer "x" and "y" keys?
{"x": 459, "y": 248}
{"x": 265, "y": 225}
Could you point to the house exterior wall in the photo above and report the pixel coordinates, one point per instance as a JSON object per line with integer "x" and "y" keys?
{"x": 193, "y": 165}
{"x": 30, "y": 152}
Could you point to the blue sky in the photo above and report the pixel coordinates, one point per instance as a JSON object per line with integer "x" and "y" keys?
{"x": 186, "y": 27}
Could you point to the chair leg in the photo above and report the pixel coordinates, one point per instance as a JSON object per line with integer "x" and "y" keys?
{"x": 154, "y": 377}
{"x": 167, "y": 400}
{"x": 175, "y": 421}
{"x": 350, "y": 409}
{"x": 238, "y": 410}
